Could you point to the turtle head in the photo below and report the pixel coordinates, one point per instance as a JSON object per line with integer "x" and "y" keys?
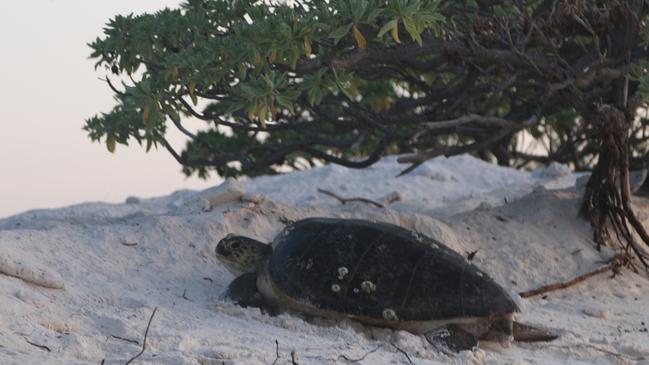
{"x": 241, "y": 254}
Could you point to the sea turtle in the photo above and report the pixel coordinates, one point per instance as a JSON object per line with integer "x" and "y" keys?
{"x": 376, "y": 273}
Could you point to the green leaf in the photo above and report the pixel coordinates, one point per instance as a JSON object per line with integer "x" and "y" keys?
{"x": 375, "y": 13}
{"x": 192, "y": 95}
{"x": 110, "y": 144}
{"x": 286, "y": 102}
{"x": 411, "y": 28}
{"x": 339, "y": 33}
{"x": 358, "y": 9}
{"x": 293, "y": 57}
{"x": 236, "y": 106}
{"x": 149, "y": 144}
{"x": 387, "y": 27}
{"x": 293, "y": 94}
{"x": 174, "y": 116}
{"x": 314, "y": 96}
{"x": 342, "y": 87}
{"x": 251, "y": 91}
{"x": 307, "y": 46}
{"x": 242, "y": 71}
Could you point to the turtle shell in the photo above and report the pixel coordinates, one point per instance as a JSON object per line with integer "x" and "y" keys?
{"x": 379, "y": 270}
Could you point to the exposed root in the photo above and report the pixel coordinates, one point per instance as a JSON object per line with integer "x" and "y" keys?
{"x": 607, "y": 205}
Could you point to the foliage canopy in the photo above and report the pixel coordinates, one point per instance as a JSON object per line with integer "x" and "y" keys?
{"x": 336, "y": 80}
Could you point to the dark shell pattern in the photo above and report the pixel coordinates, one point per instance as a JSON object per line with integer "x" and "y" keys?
{"x": 380, "y": 270}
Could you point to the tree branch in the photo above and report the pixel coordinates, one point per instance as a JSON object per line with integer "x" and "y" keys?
{"x": 418, "y": 159}
{"x": 364, "y": 58}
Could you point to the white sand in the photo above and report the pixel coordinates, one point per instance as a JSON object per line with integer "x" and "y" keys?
{"x": 114, "y": 263}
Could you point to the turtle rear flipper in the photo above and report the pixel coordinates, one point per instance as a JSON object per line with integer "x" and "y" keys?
{"x": 526, "y": 333}
{"x": 452, "y": 338}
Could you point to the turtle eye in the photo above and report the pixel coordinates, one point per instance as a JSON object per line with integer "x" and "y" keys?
{"x": 235, "y": 244}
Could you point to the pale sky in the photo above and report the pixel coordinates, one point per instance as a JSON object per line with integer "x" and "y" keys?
{"x": 48, "y": 88}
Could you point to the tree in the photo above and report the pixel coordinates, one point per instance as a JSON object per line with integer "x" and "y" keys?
{"x": 349, "y": 81}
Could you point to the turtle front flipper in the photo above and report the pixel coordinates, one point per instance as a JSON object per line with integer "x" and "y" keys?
{"x": 243, "y": 291}
{"x": 452, "y": 338}
{"x": 526, "y": 333}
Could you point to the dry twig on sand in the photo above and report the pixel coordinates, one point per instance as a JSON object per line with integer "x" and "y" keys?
{"x": 347, "y": 200}
{"x": 617, "y": 262}
{"x": 184, "y": 296}
{"x": 402, "y": 351}
{"x": 347, "y": 358}
{"x": 276, "y": 352}
{"x": 42, "y": 347}
{"x": 126, "y": 339}
{"x": 146, "y": 333}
